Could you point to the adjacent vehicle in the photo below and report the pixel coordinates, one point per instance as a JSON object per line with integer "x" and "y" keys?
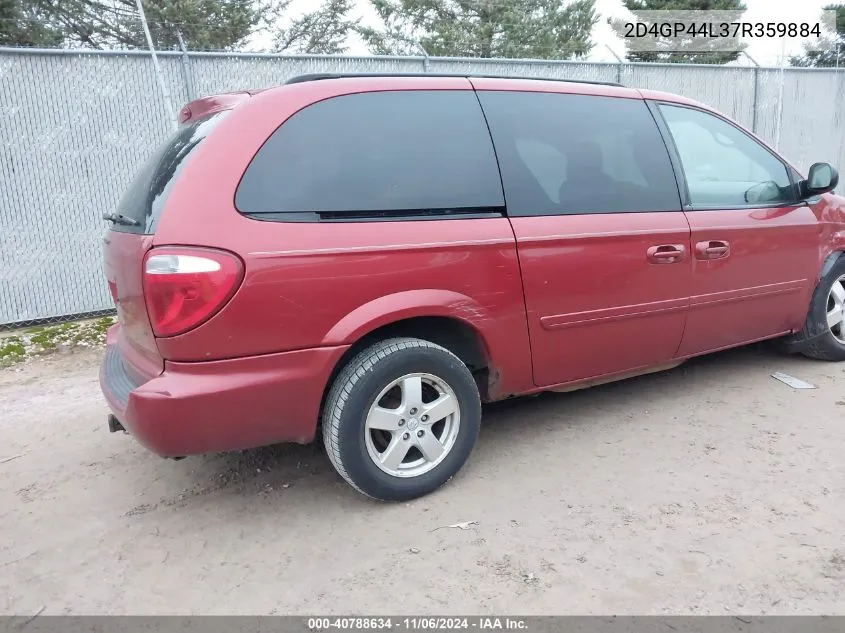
{"x": 378, "y": 255}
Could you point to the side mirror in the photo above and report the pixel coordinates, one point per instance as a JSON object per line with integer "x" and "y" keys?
{"x": 821, "y": 179}
{"x": 763, "y": 193}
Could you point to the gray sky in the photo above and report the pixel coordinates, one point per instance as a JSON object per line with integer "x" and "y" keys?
{"x": 767, "y": 51}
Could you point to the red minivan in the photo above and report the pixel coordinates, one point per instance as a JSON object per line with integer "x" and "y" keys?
{"x": 378, "y": 255}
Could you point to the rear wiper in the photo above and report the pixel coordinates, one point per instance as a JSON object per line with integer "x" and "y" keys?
{"x": 119, "y": 218}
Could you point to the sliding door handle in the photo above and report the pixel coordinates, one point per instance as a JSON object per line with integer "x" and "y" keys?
{"x": 712, "y": 249}
{"x": 666, "y": 253}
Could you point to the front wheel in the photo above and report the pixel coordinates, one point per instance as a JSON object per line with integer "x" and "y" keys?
{"x": 825, "y": 327}
{"x": 401, "y": 419}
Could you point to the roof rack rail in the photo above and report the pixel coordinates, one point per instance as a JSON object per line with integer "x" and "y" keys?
{"x": 320, "y": 76}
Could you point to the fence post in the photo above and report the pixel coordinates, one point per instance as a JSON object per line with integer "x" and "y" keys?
{"x": 161, "y": 82}
{"x": 619, "y": 64}
{"x": 426, "y": 61}
{"x": 187, "y": 78}
{"x": 754, "y": 103}
{"x": 780, "y": 94}
{"x": 756, "y": 96}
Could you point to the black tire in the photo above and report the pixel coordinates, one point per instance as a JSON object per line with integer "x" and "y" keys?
{"x": 820, "y": 343}
{"x": 354, "y": 392}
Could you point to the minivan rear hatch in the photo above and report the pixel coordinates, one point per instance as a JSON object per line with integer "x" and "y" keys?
{"x": 133, "y": 224}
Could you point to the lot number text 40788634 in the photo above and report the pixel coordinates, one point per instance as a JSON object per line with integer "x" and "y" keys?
{"x": 425, "y": 623}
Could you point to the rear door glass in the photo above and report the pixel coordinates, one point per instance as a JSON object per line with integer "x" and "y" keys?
{"x": 568, "y": 154}
{"x": 145, "y": 198}
{"x": 373, "y": 155}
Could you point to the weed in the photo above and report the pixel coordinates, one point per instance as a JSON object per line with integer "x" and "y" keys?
{"x": 43, "y": 339}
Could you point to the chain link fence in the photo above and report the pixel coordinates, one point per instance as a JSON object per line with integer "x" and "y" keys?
{"x": 75, "y": 125}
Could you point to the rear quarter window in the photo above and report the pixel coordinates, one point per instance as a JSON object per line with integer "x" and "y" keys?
{"x": 376, "y": 155}
{"x": 146, "y": 196}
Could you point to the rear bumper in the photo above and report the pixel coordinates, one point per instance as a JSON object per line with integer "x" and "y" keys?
{"x": 223, "y": 405}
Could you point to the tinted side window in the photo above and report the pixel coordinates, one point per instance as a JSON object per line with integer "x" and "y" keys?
{"x": 574, "y": 154}
{"x": 376, "y": 152}
{"x": 144, "y": 200}
{"x": 724, "y": 167}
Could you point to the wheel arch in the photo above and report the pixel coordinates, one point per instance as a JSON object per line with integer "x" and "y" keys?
{"x": 444, "y": 318}
{"x": 830, "y": 261}
{"x": 389, "y": 309}
{"x": 814, "y": 324}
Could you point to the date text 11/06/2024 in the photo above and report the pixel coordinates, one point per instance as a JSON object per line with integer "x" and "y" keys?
{"x": 417, "y": 624}
{"x": 716, "y": 30}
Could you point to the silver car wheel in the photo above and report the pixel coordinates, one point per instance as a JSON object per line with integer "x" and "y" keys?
{"x": 412, "y": 425}
{"x": 836, "y": 309}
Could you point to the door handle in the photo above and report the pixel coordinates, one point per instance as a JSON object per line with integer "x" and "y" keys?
{"x": 666, "y": 253}
{"x": 712, "y": 249}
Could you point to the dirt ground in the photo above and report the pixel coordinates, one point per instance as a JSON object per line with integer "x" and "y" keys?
{"x": 712, "y": 488}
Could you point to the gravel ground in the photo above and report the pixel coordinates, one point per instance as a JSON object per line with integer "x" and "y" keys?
{"x": 712, "y": 488}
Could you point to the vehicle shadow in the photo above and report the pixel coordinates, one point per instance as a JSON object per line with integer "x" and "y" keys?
{"x": 272, "y": 469}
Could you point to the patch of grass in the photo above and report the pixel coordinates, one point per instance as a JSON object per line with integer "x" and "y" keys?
{"x": 12, "y": 350}
{"x": 102, "y": 324}
{"x": 93, "y": 332}
{"x": 52, "y": 336}
{"x": 44, "y": 339}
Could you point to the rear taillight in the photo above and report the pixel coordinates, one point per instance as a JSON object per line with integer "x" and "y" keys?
{"x": 184, "y": 287}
